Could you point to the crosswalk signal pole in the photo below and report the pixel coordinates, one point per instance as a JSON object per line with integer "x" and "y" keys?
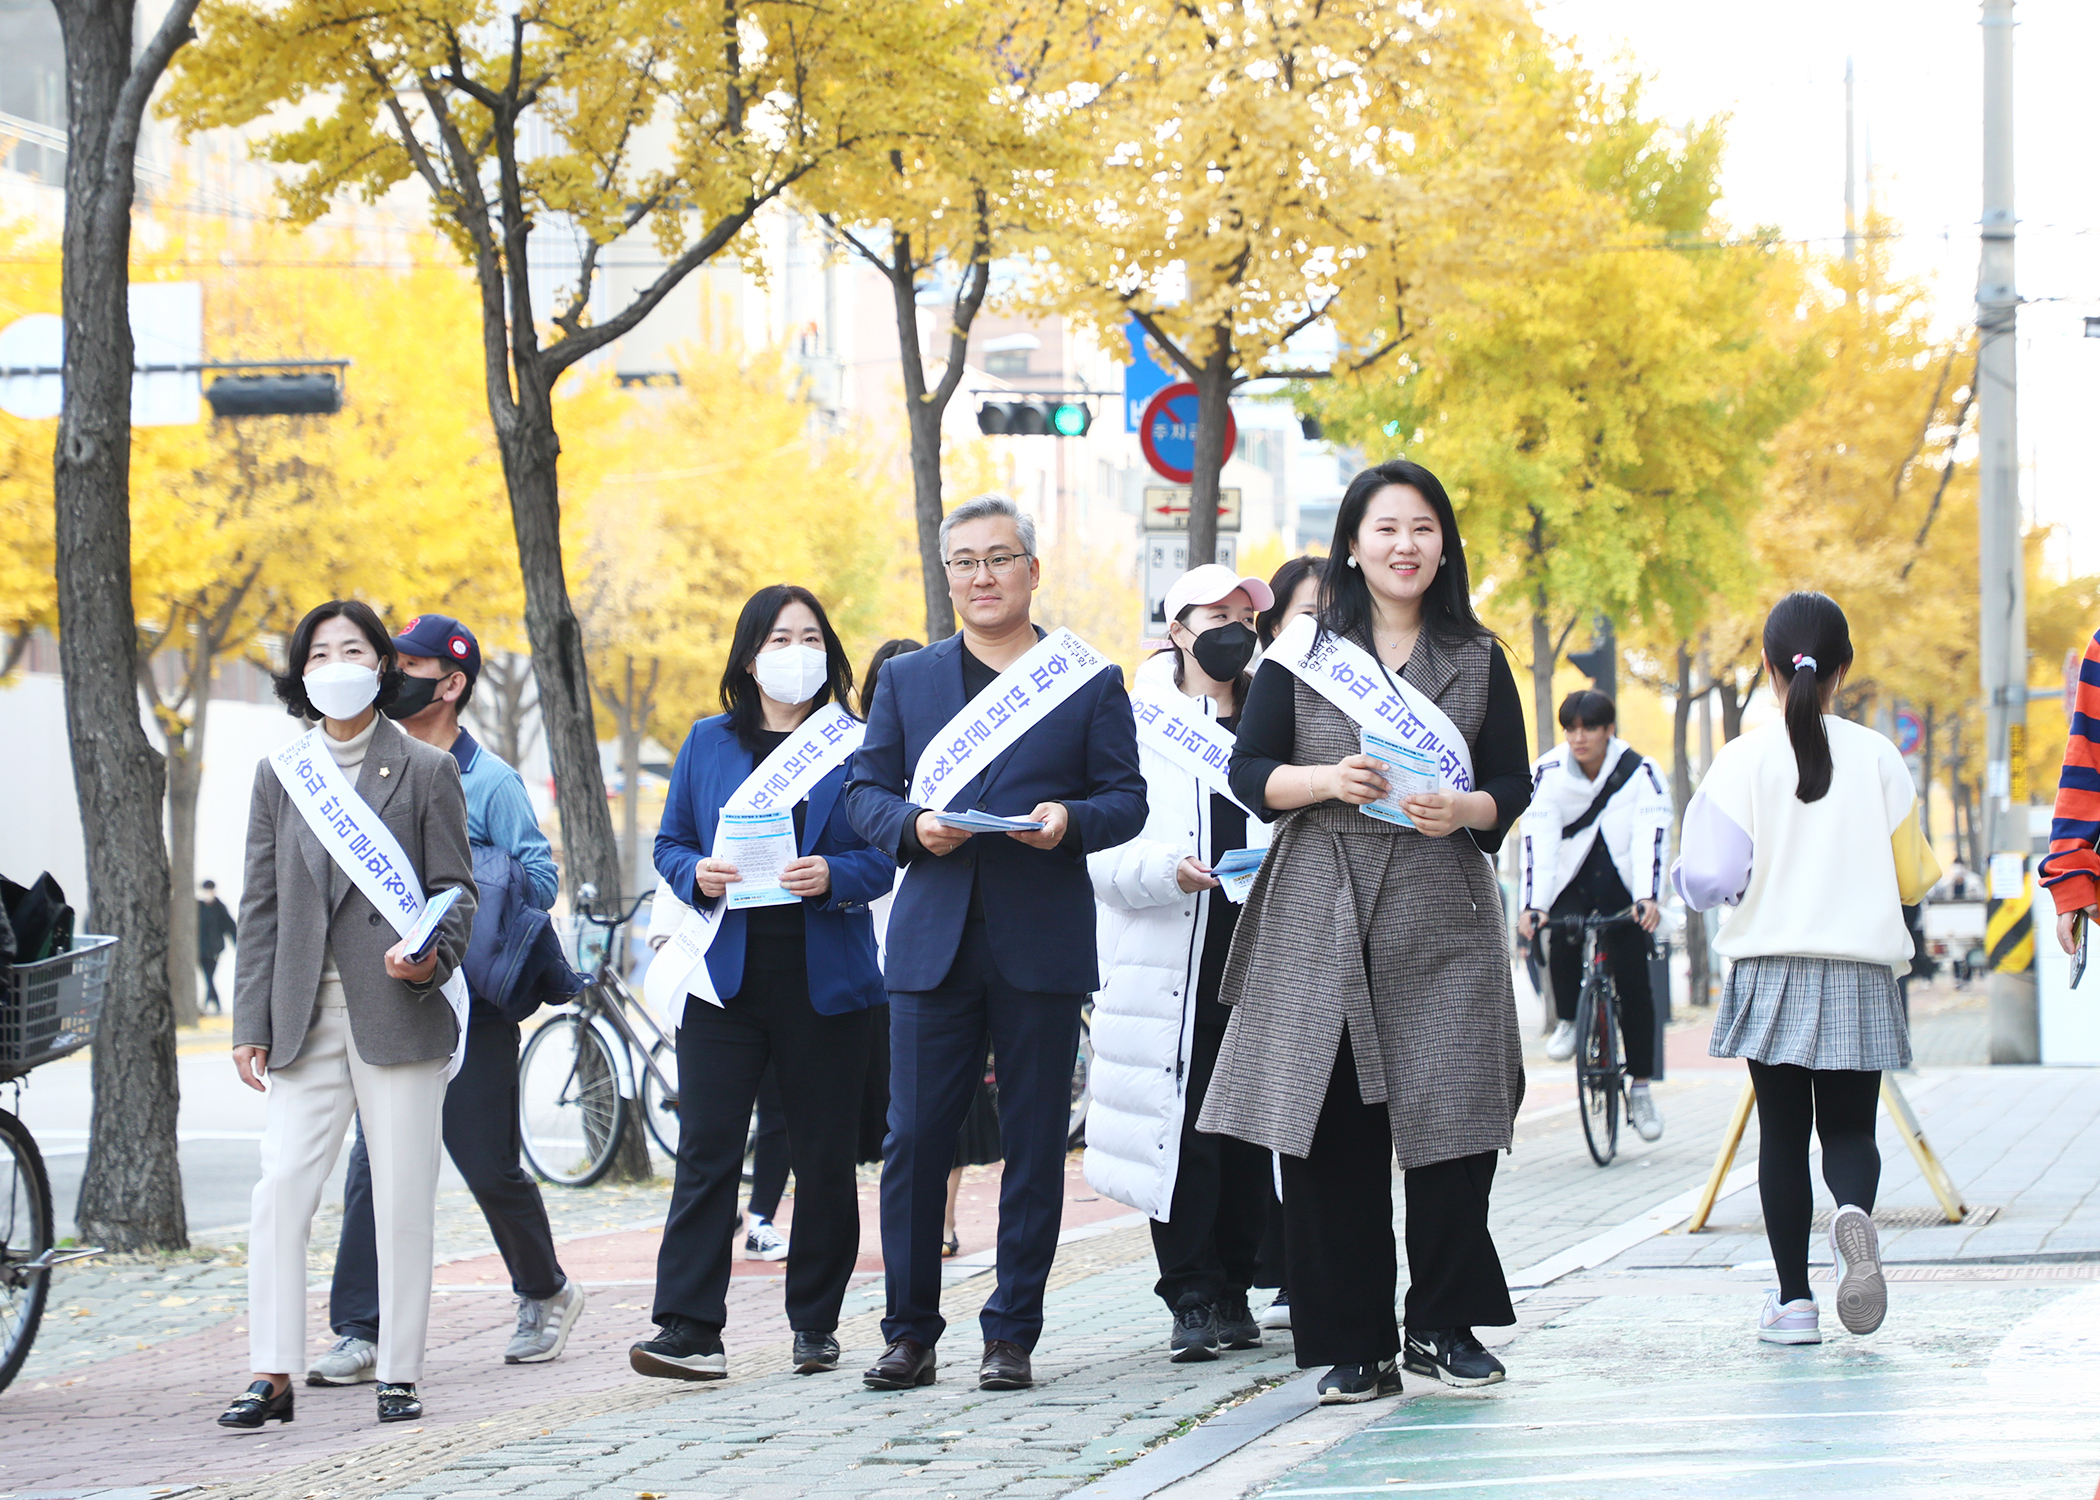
{"x": 2015, "y": 1029}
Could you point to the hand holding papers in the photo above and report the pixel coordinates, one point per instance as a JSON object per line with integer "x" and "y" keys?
{"x": 422, "y": 935}
{"x": 972, "y": 821}
{"x": 1408, "y": 772}
{"x": 1235, "y": 872}
{"x": 761, "y": 845}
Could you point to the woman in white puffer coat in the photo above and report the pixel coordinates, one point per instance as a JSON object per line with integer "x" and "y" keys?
{"x": 1166, "y": 927}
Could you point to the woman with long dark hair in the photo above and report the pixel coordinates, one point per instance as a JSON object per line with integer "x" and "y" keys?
{"x": 1807, "y": 830}
{"x": 792, "y": 984}
{"x": 331, "y": 1005}
{"x": 1369, "y": 979}
{"x": 1294, "y": 590}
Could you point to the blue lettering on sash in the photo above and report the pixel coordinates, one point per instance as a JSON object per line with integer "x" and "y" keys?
{"x": 1040, "y": 676}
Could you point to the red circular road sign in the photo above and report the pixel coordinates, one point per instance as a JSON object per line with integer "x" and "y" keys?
{"x": 1167, "y": 432}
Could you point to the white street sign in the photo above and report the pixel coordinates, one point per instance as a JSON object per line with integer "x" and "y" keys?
{"x": 167, "y": 328}
{"x": 1164, "y": 558}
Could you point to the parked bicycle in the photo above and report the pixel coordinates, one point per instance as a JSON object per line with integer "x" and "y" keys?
{"x": 1600, "y": 1074}
{"x": 47, "y": 1010}
{"x": 592, "y": 1060}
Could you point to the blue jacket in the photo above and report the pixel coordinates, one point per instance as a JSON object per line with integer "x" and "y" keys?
{"x": 1038, "y": 903}
{"x": 839, "y": 933}
{"x": 514, "y": 963}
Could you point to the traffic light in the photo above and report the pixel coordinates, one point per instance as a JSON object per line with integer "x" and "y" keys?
{"x": 1041, "y": 418}
{"x": 1601, "y": 662}
{"x": 289, "y": 395}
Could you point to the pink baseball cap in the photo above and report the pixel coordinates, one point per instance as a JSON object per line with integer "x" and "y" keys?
{"x": 1210, "y": 583}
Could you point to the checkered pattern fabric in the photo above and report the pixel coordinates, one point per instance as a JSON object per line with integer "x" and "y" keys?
{"x": 1813, "y": 1013}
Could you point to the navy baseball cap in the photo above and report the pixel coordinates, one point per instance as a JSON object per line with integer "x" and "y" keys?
{"x": 446, "y": 639}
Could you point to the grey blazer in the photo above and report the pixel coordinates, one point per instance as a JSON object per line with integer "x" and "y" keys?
{"x": 297, "y": 903}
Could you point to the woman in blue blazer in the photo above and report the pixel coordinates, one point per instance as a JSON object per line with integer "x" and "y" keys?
{"x": 799, "y": 983}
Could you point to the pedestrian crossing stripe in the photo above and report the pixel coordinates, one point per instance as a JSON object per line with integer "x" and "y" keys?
{"x": 2008, "y": 932}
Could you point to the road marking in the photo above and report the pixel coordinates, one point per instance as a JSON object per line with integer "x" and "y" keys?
{"x": 1937, "y": 1458}
{"x": 1708, "y": 1417}
{"x": 1620, "y": 1238}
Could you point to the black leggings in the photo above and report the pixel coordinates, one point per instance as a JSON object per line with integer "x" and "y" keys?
{"x": 1840, "y": 1104}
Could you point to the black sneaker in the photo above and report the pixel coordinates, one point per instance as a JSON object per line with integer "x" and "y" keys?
{"x": 1195, "y": 1333}
{"x": 1236, "y": 1326}
{"x": 815, "y": 1352}
{"x": 1451, "y": 1355}
{"x": 1278, "y": 1313}
{"x": 681, "y": 1351}
{"x": 1344, "y": 1385}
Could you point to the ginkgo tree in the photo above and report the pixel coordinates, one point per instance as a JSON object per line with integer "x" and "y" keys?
{"x": 546, "y": 133}
{"x": 1261, "y": 172}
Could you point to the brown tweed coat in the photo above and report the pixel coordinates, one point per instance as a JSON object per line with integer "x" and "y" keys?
{"x": 1339, "y": 887}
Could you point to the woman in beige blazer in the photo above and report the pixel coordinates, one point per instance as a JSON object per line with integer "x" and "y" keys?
{"x": 329, "y": 1010}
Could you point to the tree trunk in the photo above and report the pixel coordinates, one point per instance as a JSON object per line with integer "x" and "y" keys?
{"x": 923, "y": 410}
{"x": 131, "y": 1191}
{"x": 1925, "y": 790}
{"x": 1543, "y": 657}
{"x": 499, "y": 706}
{"x": 530, "y": 448}
{"x": 185, "y": 773}
{"x": 1695, "y": 946}
{"x": 631, "y": 781}
{"x": 1214, "y": 386}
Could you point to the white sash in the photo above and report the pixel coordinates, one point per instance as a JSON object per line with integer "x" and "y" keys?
{"x": 1053, "y": 670}
{"x": 823, "y": 743}
{"x": 1194, "y": 742}
{"x": 1354, "y": 681}
{"x": 364, "y": 848}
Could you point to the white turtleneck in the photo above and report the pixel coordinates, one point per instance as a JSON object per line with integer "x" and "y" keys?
{"x": 350, "y": 755}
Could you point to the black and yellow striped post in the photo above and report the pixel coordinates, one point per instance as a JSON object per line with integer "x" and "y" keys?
{"x": 2008, "y": 931}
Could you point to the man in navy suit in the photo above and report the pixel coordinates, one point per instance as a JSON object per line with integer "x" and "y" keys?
{"x": 990, "y": 935}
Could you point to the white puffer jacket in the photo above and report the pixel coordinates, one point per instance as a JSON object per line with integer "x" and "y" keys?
{"x": 1635, "y": 827}
{"x": 1151, "y": 940}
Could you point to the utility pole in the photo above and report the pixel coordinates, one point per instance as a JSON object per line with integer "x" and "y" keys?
{"x": 2015, "y": 1029}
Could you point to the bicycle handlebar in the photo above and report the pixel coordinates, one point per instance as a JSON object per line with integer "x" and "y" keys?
{"x": 588, "y": 893}
{"x": 1578, "y": 923}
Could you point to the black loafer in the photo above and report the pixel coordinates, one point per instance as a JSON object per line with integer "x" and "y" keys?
{"x": 1004, "y": 1368}
{"x": 815, "y": 1352}
{"x": 255, "y": 1406}
{"x": 398, "y": 1402}
{"x": 904, "y": 1364}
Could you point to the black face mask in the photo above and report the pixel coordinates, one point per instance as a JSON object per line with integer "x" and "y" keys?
{"x": 415, "y": 695}
{"x": 1224, "y": 651}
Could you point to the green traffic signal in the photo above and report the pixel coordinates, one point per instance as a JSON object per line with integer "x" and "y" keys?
{"x": 1071, "y": 419}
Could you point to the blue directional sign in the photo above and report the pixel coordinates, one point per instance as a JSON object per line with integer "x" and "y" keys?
{"x": 1143, "y": 378}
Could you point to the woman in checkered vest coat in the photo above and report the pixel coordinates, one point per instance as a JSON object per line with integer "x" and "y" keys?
{"x": 1369, "y": 977}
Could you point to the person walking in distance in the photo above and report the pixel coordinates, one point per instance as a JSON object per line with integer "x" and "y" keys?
{"x": 1369, "y": 979}
{"x": 787, "y": 980}
{"x": 350, "y": 827}
{"x": 1807, "y": 831}
{"x": 1166, "y": 926}
{"x": 2071, "y": 873}
{"x": 1595, "y": 839}
{"x": 992, "y": 933}
{"x": 440, "y": 663}
{"x": 216, "y": 931}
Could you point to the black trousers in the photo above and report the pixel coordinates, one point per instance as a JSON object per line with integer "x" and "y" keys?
{"x": 481, "y": 1135}
{"x": 211, "y": 988}
{"x": 1626, "y": 954}
{"x": 1209, "y": 1247}
{"x": 1840, "y": 1105}
{"x": 820, "y": 1062}
{"x": 1338, "y": 1234}
{"x": 937, "y": 1042}
{"x": 769, "y": 1150}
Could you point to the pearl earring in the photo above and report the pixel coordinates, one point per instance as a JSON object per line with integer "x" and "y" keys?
{"x": 1352, "y": 562}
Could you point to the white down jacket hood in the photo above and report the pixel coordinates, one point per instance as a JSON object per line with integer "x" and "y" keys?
{"x": 1151, "y": 940}
{"x": 1635, "y": 827}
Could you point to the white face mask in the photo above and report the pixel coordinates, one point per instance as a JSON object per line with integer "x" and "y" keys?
{"x": 792, "y": 674}
{"x": 342, "y": 689}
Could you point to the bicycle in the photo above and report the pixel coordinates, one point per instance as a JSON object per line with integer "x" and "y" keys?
{"x": 1600, "y": 1077}
{"x": 589, "y": 1062}
{"x": 47, "y": 1009}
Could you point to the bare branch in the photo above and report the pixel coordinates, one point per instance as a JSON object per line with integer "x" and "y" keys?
{"x": 120, "y": 148}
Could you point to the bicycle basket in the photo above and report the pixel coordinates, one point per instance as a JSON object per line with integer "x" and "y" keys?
{"x": 49, "y": 1008}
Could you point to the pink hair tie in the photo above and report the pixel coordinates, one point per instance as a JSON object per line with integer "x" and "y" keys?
{"x": 1804, "y": 661}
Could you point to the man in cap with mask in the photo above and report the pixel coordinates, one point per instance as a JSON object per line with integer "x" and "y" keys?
{"x": 440, "y": 662}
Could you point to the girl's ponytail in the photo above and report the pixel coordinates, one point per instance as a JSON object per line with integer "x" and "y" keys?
{"x": 1808, "y": 643}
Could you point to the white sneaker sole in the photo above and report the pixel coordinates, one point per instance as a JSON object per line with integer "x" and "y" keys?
{"x": 1436, "y": 1371}
{"x": 769, "y": 1255}
{"x": 1791, "y": 1335}
{"x": 368, "y": 1373}
{"x": 561, "y": 1335}
{"x": 1276, "y": 1318}
{"x": 1863, "y": 1292}
{"x": 697, "y": 1367}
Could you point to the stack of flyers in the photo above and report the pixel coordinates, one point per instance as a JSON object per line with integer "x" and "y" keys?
{"x": 1408, "y": 772}
{"x": 1235, "y": 871}
{"x": 984, "y": 822}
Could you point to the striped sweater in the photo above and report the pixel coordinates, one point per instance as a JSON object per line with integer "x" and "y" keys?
{"x": 2072, "y": 870}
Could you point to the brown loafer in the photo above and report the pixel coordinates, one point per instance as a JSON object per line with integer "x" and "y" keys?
{"x": 1004, "y": 1368}
{"x": 904, "y": 1364}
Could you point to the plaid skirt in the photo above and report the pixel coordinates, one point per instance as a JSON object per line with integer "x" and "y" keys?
{"x": 1827, "y": 1013}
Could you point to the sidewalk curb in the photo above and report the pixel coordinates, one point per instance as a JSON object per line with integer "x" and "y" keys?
{"x": 1208, "y": 1442}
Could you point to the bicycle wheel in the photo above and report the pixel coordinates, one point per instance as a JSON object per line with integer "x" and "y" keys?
{"x": 570, "y": 1113}
{"x": 25, "y": 1234}
{"x": 1082, "y": 1081}
{"x": 1597, "y": 1082}
{"x": 659, "y": 1109}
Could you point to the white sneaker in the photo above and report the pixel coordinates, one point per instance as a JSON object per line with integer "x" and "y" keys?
{"x": 1561, "y": 1045}
{"x": 1278, "y": 1313}
{"x": 763, "y": 1242}
{"x": 351, "y": 1361}
{"x": 543, "y": 1326}
{"x": 1863, "y": 1293}
{"x": 1789, "y": 1322}
{"x": 1642, "y": 1114}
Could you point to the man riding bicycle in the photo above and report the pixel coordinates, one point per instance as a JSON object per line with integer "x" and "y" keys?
{"x": 1595, "y": 840}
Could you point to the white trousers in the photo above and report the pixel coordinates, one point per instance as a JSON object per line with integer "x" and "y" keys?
{"x": 309, "y": 1108}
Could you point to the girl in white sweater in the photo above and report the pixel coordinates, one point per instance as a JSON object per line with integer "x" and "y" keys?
{"x": 1808, "y": 831}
